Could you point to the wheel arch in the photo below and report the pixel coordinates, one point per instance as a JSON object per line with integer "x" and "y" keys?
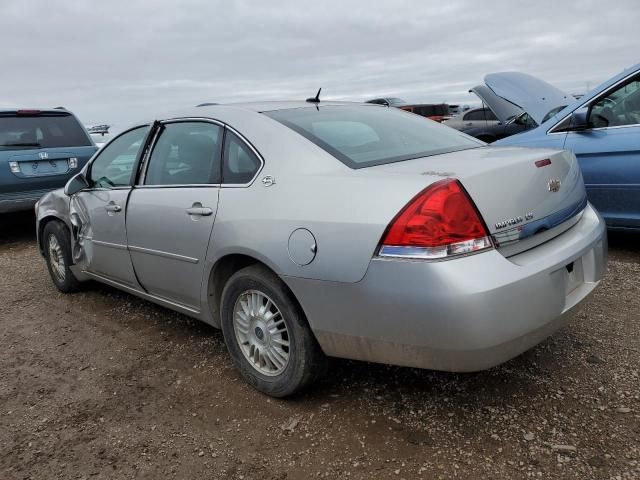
{"x": 221, "y": 272}
{"x": 42, "y": 223}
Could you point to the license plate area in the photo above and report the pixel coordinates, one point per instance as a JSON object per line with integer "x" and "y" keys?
{"x": 574, "y": 275}
{"x": 37, "y": 168}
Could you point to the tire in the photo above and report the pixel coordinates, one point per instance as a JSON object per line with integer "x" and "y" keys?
{"x": 57, "y": 253}
{"x": 258, "y": 339}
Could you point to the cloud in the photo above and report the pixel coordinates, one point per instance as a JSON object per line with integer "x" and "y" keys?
{"x": 120, "y": 60}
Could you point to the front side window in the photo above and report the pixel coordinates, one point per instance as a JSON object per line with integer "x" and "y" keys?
{"x": 361, "y": 136}
{"x": 240, "y": 164}
{"x": 187, "y": 153}
{"x": 620, "y": 107}
{"x": 113, "y": 167}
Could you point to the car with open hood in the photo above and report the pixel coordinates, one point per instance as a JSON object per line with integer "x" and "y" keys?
{"x": 314, "y": 229}
{"x": 519, "y": 102}
{"x": 602, "y": 128}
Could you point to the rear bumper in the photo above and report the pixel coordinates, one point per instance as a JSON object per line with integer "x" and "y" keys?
{"x": 458, "y": 315}
{"x": 18, "y": 201}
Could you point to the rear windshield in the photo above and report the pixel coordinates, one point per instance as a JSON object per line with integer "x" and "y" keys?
{"x": 41, "y": 131}
{"x": 363, "y": 136}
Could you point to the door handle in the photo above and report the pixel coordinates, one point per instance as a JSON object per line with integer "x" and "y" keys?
{"x": 112, "y": 207}
{"x": 469, "y": 124}
{"x": 201, "y": 211}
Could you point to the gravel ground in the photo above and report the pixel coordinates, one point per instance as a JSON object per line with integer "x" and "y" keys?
{"x": 101, "y": 384}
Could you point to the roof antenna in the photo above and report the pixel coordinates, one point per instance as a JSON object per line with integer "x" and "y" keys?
{"x": 315, "y": 99}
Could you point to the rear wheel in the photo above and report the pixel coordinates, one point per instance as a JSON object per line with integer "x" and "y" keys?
{"x": 267, "y": 335}
{"x": 57, "y": 252}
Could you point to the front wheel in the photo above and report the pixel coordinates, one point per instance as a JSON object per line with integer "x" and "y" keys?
{"x": 267, "y": 334}
{"x": 57, "y": 252}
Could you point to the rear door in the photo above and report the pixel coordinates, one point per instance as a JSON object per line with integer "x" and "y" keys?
{"x": 102, "y": 207}
{"x": 609, "y": 154}
{"x": 171, "y": 211}
{"x": 478, "y": 118}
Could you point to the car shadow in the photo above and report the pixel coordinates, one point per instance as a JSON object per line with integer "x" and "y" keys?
{"x": 17, "y": 227}
{"x": 624, "y": 246}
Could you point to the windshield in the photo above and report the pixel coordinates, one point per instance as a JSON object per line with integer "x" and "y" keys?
{"x": 361, "y": 136}
{"x": 553, "y": 112}
{"x": 396, "y": 101}
{"x": 41, "y": 131}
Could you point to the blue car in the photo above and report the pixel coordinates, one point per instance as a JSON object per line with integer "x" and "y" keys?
{"x": 602, "y": 128}
{"x": 39, "y": 151}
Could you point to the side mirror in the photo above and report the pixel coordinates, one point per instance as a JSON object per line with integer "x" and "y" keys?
{"x": 77, "y": 183}
{"x": 580, "y": 120}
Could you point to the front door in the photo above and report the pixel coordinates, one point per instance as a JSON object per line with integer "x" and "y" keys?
{"x": 609, "y": 154}
{"x": 171, "y": 212}
{"x": 101, "y": 208}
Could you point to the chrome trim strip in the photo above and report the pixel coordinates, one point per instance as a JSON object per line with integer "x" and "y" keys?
{"x": 570, "y": 214}
{"x": 622, "y": 80}
{"x": 209, "y": 120}
{"x": 161, "y": 253}
{"x": 140, "y": 293}
{"x": 117, "y": 246}
{"x": 103, "y": 189}
{"x": 186, "y": 185}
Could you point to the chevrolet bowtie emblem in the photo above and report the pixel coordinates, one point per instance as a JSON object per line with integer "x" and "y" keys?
{"x": 554, "y": 184}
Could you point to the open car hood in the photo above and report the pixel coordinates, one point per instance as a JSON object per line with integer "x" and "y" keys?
{"x": 534, "y": 96}
{"x": 503, "y": 109}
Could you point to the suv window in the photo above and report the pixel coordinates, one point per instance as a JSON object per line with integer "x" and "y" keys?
{"x": 44, "y": 130}
{"x": 239, "y": 163}
{"x": 187, "y": 153}
{"x": 620, "y": 107}
{"x": 113, "y": 167}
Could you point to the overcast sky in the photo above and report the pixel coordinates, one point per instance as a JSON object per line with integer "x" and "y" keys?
{"x": 117, "y": 61}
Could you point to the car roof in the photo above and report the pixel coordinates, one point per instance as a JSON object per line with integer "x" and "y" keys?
{"x": 269, "y": 106}
{"x": 43, "y": 110}
{"x": 214, "y": 111}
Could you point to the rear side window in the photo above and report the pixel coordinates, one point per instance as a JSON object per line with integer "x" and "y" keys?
{"x": 362, "y": 136}
{"x": 41, "y": 131}
{"x": 187, "y": 153}
{"x": 480, "y": 115}
{"x": 239, "y": 163}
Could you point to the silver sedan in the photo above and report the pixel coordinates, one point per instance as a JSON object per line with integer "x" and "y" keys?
{"x": 306, "y": 230}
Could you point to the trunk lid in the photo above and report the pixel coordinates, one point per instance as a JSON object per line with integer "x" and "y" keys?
{"x": 531, "y": 94}
{"x": 521, "y": 194}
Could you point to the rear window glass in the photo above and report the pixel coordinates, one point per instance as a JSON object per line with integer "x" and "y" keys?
{"x": 41, "y": 131}
{"x": 363, "y": 136}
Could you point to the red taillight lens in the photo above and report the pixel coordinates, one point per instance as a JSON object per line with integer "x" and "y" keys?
{"x": 439, "y": 222}
{"x": 28, "y": 112}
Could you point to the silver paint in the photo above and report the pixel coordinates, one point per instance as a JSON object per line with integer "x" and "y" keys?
{"x": 465, "y": 313}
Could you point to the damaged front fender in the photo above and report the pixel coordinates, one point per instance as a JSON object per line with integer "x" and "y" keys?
{"x": 56, "y": 205}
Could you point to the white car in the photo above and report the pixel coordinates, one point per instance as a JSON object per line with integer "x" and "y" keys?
{"x": 476, "y": 117}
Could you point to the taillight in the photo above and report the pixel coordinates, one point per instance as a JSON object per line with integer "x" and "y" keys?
{"x": 28, "y": 112}
{"x": 440, "y": 222}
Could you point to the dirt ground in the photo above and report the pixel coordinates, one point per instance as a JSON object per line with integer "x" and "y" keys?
{"x": 101, "y": 385}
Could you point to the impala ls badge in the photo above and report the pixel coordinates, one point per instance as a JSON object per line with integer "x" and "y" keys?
{"x": 510, "y": 222}
{"x": 43, "y": 155}
{"x": 554, "y": 184}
